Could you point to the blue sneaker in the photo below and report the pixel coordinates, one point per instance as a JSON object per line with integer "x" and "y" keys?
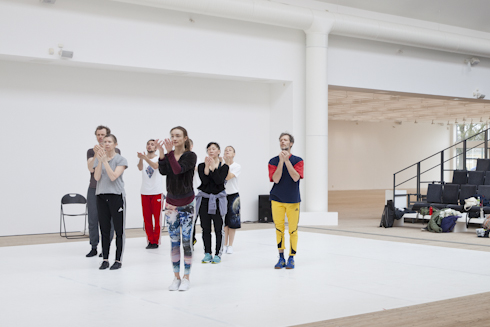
{"x": 280, "y": 264}
{"x": 216, "y": 259}
{"x": 207, "y": 258}
{"x": 290, "y": 264}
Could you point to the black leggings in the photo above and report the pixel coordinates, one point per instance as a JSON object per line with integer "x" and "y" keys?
{"x": 112, "y": 207}
{"x": 218, "y": 222}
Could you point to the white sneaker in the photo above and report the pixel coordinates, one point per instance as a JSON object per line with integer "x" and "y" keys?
{"x": 175, "y": 285}
{"x": 225, "y": 249}
{"x": 229, "y": 250}
{"x": 185, "y": 285}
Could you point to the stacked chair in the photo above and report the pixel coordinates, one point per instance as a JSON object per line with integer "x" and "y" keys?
{"x": 465, "y": 184}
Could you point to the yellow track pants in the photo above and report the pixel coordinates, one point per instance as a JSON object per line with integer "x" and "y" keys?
{"x": 279, "y": 210}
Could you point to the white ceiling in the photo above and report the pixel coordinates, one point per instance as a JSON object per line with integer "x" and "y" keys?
{"x": 471, "y": 14}
{"x": 382, "y": 106}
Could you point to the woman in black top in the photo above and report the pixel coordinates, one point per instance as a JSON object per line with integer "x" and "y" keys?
{"x": 211, "y": 201}
{"x": 178, "y": 165}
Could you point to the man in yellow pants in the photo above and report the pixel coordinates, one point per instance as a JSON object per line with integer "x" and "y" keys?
{"x": 285, "y": 171}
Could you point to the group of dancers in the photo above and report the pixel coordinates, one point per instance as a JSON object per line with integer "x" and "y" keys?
{"x": 217, "y": 200}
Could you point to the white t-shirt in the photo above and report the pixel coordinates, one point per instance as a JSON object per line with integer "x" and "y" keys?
{"x": 152, "y": 180}
{"x": 231, "y": 186}
{"x": 196, "y": 181}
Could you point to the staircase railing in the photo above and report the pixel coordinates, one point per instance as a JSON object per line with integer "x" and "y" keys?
{"x": 443, "y": 160}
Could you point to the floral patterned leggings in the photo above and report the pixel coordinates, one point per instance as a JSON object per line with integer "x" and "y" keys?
{"x": 177, "y": 218}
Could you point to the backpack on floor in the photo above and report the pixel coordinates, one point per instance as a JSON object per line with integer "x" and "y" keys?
{"x": 388, "y": 216}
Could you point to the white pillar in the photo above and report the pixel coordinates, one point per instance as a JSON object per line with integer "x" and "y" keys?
{"x": 316, "y": 160}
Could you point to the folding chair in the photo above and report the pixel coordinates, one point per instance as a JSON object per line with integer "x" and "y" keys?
{"x": 70, "y": 199}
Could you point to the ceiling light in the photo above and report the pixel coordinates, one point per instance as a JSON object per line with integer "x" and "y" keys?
{"x": 472, "y": 61}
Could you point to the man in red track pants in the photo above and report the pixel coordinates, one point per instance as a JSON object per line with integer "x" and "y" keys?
{"x": 151, "y": 194}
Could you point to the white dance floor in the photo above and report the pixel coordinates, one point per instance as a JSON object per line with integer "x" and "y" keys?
{"x": 335, "y": 276}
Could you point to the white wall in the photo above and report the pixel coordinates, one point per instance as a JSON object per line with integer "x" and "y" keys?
{"x": 41, "y": 103}
{"x": 55, "y": 107}
{"x": 365, "y": 156}
{"x": 377, "y": 65}
{"x": 49, "y": 117}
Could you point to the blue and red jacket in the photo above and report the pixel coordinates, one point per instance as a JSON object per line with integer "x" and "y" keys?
{"x": 287, "y": 190}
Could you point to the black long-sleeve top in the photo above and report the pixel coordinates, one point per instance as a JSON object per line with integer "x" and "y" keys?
{"x": 180, "y": 174}
{"x": 213, "y": 183}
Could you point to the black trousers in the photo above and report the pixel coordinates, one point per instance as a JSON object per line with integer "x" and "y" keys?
{"x": 218, "y": 223}
{"x": 111, "y": 208}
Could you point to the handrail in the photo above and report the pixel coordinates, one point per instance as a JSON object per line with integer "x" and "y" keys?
{"x": 441, "y": 164}
{"x": 447, "y": 149}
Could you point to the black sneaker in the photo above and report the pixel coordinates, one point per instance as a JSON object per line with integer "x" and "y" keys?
{"x": 115, "y": 266}
{"x": 155, "y": 246}
{"x": 104, "y": 265}
{"x": 100, "y": 255}
{"x": 149, "y": 246}
{"x": 92, "y": 253}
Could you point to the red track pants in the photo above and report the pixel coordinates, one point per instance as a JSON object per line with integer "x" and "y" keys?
{"x": 152, "y": 208}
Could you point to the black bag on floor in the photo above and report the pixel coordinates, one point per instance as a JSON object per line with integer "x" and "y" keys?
{"x": 388, "y": 216}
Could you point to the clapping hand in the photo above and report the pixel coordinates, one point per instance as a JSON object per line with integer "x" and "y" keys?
{"x": 210, "y": 163}
{"x": 159, "y": 145}
{"x": 168, "y": 145}
{"x": 284, "y": 156}
{"x": 97, "y": 147}
{"x": 101, "y": 155}
{"x": 141, "y": 155}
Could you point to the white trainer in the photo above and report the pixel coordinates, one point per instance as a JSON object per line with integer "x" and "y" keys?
{"x": 225, "y": 249}
{"x": 175, "y": 285}
{"x": 229, "y": 250}
{"x": 185, "y": 285}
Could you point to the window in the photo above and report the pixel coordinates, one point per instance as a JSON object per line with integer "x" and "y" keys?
{"x": 469, "y": 132}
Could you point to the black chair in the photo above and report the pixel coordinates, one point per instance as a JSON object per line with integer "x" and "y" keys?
{"x": 482, "y": 164}
{"x": 70, "y": 199}
{"x": 460, "y": 177}
{"x": 434, "y": 195}
{"x": 450, "y": 196}
{"x": 466, "y": 191}
{"x": 487, "y": 178}
{"x": 476, "y": 177}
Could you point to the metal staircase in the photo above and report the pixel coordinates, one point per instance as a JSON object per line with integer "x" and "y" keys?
{"x": 444, "y": 159}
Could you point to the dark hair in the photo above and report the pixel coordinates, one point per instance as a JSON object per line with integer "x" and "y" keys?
{"x": 150, "y": 141}
{"x": 191, "y": 141}
{"x": 107, "y": 129}
{"x": 291, "y": 138}
{"x": 187, "y": 144}
{"x": 113, "y": 137}
{"x": 229, "y": 146}
{"x": 213, "y": 143}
